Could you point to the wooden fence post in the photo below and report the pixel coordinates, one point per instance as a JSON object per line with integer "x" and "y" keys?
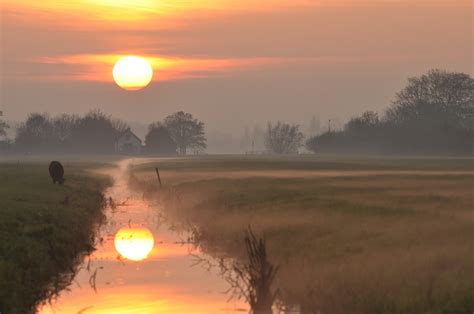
{"x": 158, "y": 175}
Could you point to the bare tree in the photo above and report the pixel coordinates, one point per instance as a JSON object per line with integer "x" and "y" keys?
{"x": 119, "y": 125}
{"x": 186, "y": 131}
{"x": 283, "y": 138}
{"x": 314, "y": 126}
{"x": 3, "y": 127}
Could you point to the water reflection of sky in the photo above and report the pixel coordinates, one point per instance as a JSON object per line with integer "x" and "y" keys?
{"x": 134, "y": 243}
{"x": 163, "y": 282}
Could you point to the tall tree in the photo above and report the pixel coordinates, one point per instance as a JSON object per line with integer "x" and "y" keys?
{"x": 36, "y": 134}
{"x": 186, "y": 131}
{"x": 283, "y": 138}
{"x": 434, "y": 113}
{"x": 438, "y": 97}
{"x": 366, "y": 122}
{"x": 158, "y": 140}
{"x": 96, "y": 133}
{"x": 119, "y": 125}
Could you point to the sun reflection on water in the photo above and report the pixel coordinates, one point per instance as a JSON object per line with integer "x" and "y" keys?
{"x": 134, "y": 243}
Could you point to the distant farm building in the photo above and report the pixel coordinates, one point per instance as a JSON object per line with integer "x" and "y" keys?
{"x": 128, "y": 143}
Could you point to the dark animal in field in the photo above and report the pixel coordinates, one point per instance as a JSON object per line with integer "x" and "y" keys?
{"x": 56, "y": 171}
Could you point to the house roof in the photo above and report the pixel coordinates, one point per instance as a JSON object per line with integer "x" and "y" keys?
{"x": 129, "y": 131}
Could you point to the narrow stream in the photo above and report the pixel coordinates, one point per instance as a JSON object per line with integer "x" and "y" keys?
{"x": 142, "y": 266}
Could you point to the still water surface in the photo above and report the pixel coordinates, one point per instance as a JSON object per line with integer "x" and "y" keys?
{"x": 142, "y": 266}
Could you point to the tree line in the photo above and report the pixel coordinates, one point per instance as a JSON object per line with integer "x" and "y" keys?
{"x": 433, "y": 114}
{"x": 178, "y": 133}
{"x": 97, "y": 133}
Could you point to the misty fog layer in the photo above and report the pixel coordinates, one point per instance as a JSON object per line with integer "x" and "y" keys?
{"x": 291, "y": 61}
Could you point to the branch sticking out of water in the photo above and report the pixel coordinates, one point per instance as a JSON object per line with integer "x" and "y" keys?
{"x": 254, "y": 279}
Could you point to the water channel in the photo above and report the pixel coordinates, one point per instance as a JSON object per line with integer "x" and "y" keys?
{"x": 142, "y": 265}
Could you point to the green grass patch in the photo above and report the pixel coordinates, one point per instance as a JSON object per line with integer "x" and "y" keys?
{"x": 45, "y": 230}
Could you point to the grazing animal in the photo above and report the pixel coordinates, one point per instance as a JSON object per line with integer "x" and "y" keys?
{"x": 56, "y": 171}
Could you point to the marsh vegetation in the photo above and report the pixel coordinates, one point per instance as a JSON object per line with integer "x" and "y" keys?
{"x": 349, "y": 235}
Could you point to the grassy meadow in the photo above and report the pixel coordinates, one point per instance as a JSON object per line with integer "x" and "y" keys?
{"x": 45, "y": 229}
{"x": 350, "y": 235}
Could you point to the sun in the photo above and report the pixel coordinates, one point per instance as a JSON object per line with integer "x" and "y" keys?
{"x": 132, "y": 73}
{"x": 134, "y": 243}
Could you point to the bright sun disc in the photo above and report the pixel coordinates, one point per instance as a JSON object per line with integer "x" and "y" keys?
{"x": 132, "y": 73}
{"x": 134, "y": 243}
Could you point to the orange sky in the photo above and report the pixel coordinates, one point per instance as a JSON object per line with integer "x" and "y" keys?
{"x": 272, "y": 59}
{"x": 139, "y": 13}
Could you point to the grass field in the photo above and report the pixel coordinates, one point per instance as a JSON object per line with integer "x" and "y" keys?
{"x": 45, "y": 229}
{"x": 353, "y": 235}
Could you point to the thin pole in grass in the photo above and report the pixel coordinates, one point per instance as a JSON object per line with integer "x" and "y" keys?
{"x": 158, "y": 175}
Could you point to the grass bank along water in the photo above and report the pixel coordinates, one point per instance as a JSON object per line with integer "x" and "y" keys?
{"x": 45, "y": 230}
{"x": 395, "y": 236}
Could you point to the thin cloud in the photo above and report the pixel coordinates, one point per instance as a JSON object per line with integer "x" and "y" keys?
{"x": 89, "y": 67}
{"x": 98, "y": 67}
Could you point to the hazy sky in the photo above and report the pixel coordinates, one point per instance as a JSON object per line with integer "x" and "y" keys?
{"x": 229, "y": 62}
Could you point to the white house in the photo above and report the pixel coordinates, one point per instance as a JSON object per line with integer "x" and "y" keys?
{"x": 128, "y": 143}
